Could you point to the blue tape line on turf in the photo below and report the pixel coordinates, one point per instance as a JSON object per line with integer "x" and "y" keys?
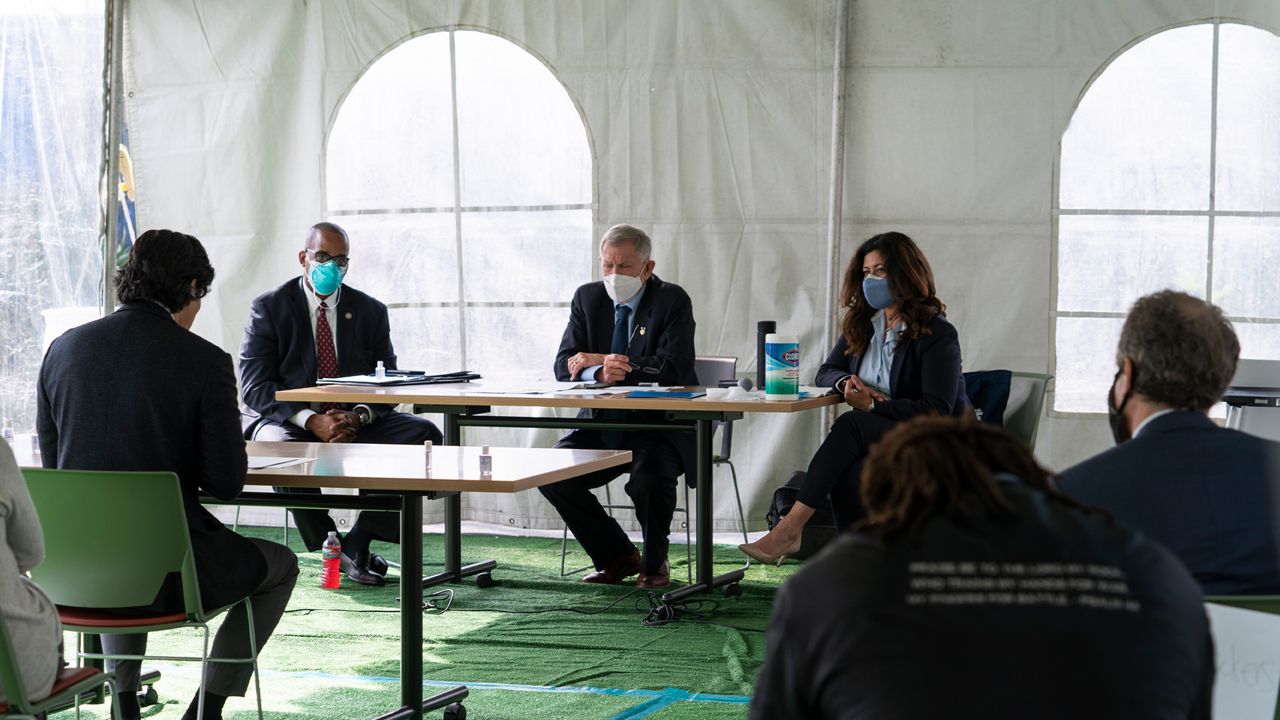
{"x": 655, "y": 699}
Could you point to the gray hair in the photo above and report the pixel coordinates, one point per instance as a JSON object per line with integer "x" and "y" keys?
{"x": 1183, "y": 349}
{"x": 619, "y": 234}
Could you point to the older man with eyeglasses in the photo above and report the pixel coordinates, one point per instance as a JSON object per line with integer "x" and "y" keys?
{"x": 315, "y": 327}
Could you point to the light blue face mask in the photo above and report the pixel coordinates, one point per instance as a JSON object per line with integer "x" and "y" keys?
{"x": 326, "y": 277}
{"x": 876, "y": 290}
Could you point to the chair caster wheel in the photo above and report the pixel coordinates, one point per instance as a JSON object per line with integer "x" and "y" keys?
{"x": 148, "y": 696}
{"x": 483, "y": 580}
{"x": 731, "y": 590}
{"x": 455, "y": 711}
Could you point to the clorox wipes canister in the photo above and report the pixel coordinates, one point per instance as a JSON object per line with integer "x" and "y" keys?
{"x": 782, "y": 367}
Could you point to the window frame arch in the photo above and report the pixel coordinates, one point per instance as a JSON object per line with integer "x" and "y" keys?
{"x": 458, "y": 209}
{"x": 1211, "y": 212}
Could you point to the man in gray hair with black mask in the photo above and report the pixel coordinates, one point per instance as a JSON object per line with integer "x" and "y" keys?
{"x": 1209, "y": 494}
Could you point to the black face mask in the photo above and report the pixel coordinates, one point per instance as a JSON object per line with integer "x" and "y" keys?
{"x": 1115, "y": 416}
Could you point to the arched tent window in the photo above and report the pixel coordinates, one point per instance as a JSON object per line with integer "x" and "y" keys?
{"x": 1169, "y": 178}
{"x": 461, "y": 168}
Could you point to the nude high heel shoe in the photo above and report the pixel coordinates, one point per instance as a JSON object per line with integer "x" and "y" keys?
{"x": 755, "y": 553}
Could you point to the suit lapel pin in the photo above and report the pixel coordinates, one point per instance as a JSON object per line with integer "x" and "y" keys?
{"x": 641, "y": 331}
{"x": 347, "y": 316}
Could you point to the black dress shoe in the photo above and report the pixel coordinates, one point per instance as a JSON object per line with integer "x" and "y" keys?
{"x": 359, "y": 571}
{"x": 615, "y": 572}
{"x": 378, "y": 564}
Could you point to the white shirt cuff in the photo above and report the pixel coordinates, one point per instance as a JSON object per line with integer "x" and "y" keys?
{"x": 589, "y": 373}
{"x": 300, "y": 419}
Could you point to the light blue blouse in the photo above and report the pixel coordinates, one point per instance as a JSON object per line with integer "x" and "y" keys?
{"x": 876, "y": 364}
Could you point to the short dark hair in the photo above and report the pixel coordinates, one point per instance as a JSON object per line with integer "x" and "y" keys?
{"x": 1184, "y": 351}
{"x": 160, "y": 268}
{"x": 326, "y": 227}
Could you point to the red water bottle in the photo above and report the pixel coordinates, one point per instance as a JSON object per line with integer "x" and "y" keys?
{"x": 330, "y": 576}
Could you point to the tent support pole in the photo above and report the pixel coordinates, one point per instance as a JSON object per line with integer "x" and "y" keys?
{"x": 836, "y": 201}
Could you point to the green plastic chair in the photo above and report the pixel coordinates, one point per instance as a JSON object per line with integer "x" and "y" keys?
{"x": 140, "y": 516}
{"x": 67, "y": 688}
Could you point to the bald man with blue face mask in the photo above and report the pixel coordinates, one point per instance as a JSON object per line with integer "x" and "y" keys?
{"x": 312, "y": 327}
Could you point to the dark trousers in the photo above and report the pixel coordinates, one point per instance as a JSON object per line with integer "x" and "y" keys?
{"x": 655, "y": 465}
{"x": 391, "y": 429}
{"x": 836, "y": 468}
{"x": 232, "y": 640}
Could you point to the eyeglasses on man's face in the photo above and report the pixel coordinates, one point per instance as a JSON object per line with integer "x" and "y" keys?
{"x": 323, "y": 257}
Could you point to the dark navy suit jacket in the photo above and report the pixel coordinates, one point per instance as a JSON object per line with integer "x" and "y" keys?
{"x": 926, "y": 376}
{"x": 662, "y": 338}
{"x": 279, "y": 349}
{"x": 136, "y": 391}
{"x": 1209, "y": 494}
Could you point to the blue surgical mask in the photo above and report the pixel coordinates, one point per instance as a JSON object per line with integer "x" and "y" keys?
{"x": 326, "y": 277}
{"x": 877, "y": 292}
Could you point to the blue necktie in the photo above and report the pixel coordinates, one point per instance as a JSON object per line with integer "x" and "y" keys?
{"x": 620, "y": 340}
{"x": 617, "y": 439}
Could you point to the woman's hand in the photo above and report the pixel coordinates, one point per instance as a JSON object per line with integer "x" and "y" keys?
{"x": 859, "y": 396}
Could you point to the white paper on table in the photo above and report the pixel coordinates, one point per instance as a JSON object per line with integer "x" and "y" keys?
{"x": 262, "y": 462}
{"x": 528, "y": 387}
{"x": 593, "y": 392}
{"x": 1247, "y": 648}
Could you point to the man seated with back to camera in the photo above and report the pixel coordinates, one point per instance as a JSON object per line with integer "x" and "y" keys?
{"x": 1209, "y": 494}
{"x": 975, "y": 589}
{"x": 138, "y": 391}
{"x": 314, "y": 327}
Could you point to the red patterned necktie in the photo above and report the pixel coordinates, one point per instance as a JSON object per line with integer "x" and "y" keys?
{"x": 326, "y": 357}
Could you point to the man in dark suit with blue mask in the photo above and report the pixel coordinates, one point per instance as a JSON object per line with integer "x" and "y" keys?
{"x": 628, "y": 328}
{"x": 315, "y": 327}
{"x": 1209, "y": 494}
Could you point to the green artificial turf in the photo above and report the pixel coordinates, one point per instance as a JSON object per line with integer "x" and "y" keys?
{"x": 556, "y": 648}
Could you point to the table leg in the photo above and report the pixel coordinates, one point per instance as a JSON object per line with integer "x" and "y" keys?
{"x": 411, "y": 703}
{"x": 454, "y": 570}
{"x": 707, "y": 581}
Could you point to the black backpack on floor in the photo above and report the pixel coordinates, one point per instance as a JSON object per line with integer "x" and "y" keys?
{"x": 821, "y": 528}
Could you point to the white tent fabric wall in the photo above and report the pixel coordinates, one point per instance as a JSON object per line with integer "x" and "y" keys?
{"x": 709, "y": 124}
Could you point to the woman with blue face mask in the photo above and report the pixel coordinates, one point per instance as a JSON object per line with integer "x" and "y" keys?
{"x": 897, "y": 358}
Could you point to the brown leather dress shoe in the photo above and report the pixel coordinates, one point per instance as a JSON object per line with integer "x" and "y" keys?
{"x": 616, "y": 571}
{"x": 661, "y": 578}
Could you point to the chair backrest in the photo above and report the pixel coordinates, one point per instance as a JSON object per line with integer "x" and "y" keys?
{"x": 111, "y": 538}
{"x": 1026, "y": 405}
{"x": 711, "y": 369}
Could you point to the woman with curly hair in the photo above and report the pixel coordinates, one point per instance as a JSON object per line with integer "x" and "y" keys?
{"x": 897, "y": 358}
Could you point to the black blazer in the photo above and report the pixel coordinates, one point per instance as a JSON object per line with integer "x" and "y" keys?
{"x": 1209, "y": 494}
{"x": 663, "y": 339}
{"x": 853, "y": 637}
{"x": 279, "y": 349}
{"x": 135, "y": 391}
{"x": 926, "y": 376}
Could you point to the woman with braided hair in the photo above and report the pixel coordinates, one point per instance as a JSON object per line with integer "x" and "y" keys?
{"x": 974, "y": 588}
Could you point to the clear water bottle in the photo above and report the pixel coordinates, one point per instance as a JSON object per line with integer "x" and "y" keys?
{"x": 380, "y": 372}
{"x": 7, "y": 432}
{"x": 486, "y": 463}
{"x": 331, "y": 550}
